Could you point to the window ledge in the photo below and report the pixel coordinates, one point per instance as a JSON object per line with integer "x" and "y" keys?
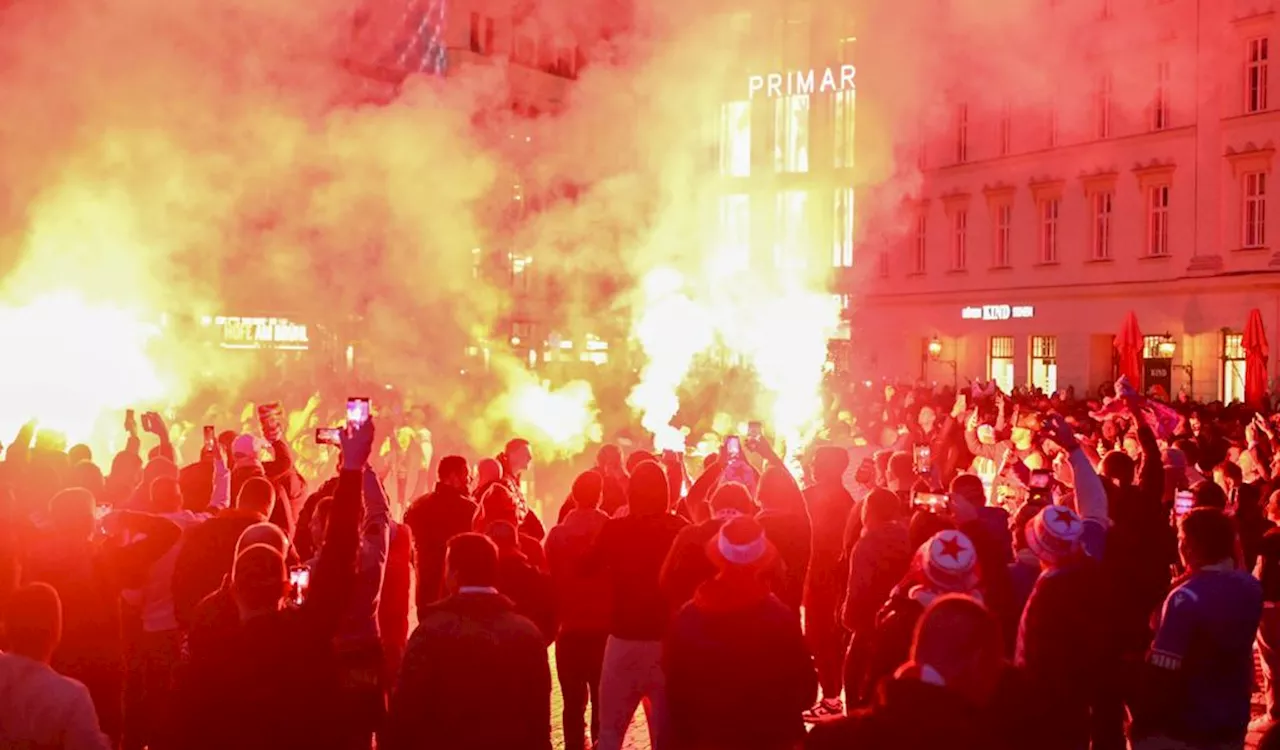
{"x": 1100, "y": 260}
{"x": 1166, "y": 256}
{"x": 958, "y": 271}
{"x": 917, "y": 275}
{"x": 1047, "y": 263}
{"x": 1005, "y": 267}
{"x": 1251, "y": 249}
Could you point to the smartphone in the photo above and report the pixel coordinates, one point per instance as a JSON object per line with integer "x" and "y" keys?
{"x": 1183, "y": 502}
{"x": 923, "y": 459}
{"x": 732, "y": 446}
{"x": 328, "y": 436}
{"x": 932, "y": 502}
{"x": 210, "y": 438}
{"x": 1040, "y": 479}
{"x": 130, "y": 420}
{"x": 357, "y": 411}
{"x": 755, "y": 431}
{"x": 299, "y": 580}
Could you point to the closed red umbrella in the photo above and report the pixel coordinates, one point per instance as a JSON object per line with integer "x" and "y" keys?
{"x": 1129, "y": 348}
{"x": 1256, "y": 352}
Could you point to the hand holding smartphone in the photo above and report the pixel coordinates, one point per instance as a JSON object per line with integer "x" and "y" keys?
{"x": 358, "y": 410}
{"x": 210, "y": 439}
{"x": 732, "y": 446}
{"x": 329, "y": 436}
{"x": 931, "y": 502}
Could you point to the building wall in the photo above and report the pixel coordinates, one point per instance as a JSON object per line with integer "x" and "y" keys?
{"x": 1205, "y": 151}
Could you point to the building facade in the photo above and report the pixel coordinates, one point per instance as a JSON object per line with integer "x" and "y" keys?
{"x": 1036, "y": 230}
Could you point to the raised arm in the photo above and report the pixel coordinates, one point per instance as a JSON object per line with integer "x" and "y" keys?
{"x": 334, "y": 578}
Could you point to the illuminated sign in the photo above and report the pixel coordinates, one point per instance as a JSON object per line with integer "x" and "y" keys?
{"x": 800, "y": 82}
{"x": 260, "y": 333}
{"x": 998, "y": 312}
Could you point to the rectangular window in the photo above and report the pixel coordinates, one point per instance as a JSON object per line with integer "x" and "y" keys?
{"x": 735, "y": 139}
{"x": 1158, "y": 220}
{"x": 1102, "y": 107}
{"x": 1255, "y": 76}
{"x": 791, "y": 134}
{"x": 481, "y": 41}
{"x": 735, "y": 232}
{"x": 1000, "y": 362}
{"x": 1006, "y": 129}
{"x": 1233, "y": 367}
{"x": 962, "y": 133}
{"x": 921, "y": 245}
{"x": 1049, "y": 209}
{"x": 1044, "y": 363}
{"x": 845, "y": 106}
{"x": 1255, "y": 209}
{"x": 959, "y": 239}
{"x": 1053, "y": 126}
{"x": 1151, "y": 346}
{"x": 1100, "y": 239}
{"x": 842, "y": 222}
{"x": 1160, "y": 106}
{"x": 1002, "y": 232}
{"x": 791, "y": 238}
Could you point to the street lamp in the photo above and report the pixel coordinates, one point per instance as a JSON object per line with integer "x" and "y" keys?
{"x": 1167, "y": 348}
{"x": 934, "y": 350}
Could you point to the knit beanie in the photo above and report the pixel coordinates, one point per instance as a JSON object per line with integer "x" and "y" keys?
{"x": 1054, "y": 535}
{"x": 950, "y": 562}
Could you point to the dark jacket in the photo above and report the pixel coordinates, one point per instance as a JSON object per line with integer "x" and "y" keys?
{"x": 470, "y": 653}
{"x": 879, "y": 561}
{"x": 530, "y": 589}
{"x": 393, "y": 602}
{"x": 911, "y": 715}
{"x": 289, "y": 485}
{"x": 205, "y": 559}
{"x": 829, "y": 508}
{"x": 583, "y": 600}
{"x": 275, "y": 678}
{"x": 792, "y": 536}
{"x": 687, "y": 566}
{"x": 434, "y": 519}
{"x": 630, "y": 551}
{"x": 738, "y": 672}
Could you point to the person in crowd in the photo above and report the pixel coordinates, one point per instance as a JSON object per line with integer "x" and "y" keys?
{"x": 1019, "y": 448}
{"x": 246, "y": 456}
{"x": 515, "y": 460}
{"x": 584, "y": 603}
{"x": 830, "y": 506}
{"x": 879, "y": 560}
{"x": 520, "y": 581}
{"x": 498, "y": 504}
{"x": 207, "y": 550}
{"x": 631, "y": 550}
{"x": 89, "y": 567}
{"x": 944, "y": 696}
{"x": 738, "y": 672}
{"x": 1267, "y": 571}
{"x": 275, "y": 678}
{"x": 687, "y": 566}
{"x": 394, "y": 599}
{"x": 946, "y": 564}
{"x": 471, "y": 644}
{"x": 1199, "y": 683}
{"x": 785, "y": 520}
{"x": 614, "y": 474}
{"x": 40, "y": 708}
{"x": 436, "y": 518}
{"x": 488, "y": 473}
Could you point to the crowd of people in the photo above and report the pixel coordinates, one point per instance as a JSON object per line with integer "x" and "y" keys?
{"x": 963, "y": 569}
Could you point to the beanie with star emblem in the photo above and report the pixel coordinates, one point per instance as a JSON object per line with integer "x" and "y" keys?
{"x": 1054, "y": 535}
{"x": 950, "y": 562}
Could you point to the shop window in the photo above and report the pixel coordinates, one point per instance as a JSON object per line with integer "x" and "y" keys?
{"x": 1044, "y": 363}
{"x": 791, "y": 134}
{"x": 1233, "y": 367}
{"x": 1000, "y": 362}
{"x": 735, "y": 139}
{"x": 842, "y": 241}
{"x": 844, "y": 111}
{"x": 735, "y": 232}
